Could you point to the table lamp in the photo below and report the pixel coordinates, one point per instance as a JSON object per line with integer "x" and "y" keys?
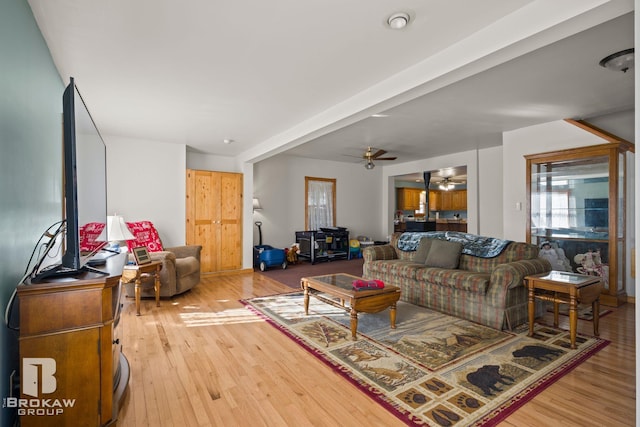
{"x": 116, "y": 231}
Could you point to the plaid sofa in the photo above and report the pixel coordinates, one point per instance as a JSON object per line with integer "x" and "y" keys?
{"x": 489, "y": 291}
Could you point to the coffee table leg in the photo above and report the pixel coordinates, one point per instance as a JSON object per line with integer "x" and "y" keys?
{"x": 392, "y": 316}
{"x": 573, "y": 320}
{"x": 354, "y": 324}
{"x": 532, "y": 310}
{"x": 306, "y": 299}
{"x": 595, "y": 308}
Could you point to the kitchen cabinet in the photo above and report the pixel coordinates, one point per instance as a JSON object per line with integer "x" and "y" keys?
{"x": 455, "y": 200}
{"x": 576, "y": 203}
{"x": 408, "y": 199}
{"x": 451, "y": 225}
{"x": 435, "y": 200}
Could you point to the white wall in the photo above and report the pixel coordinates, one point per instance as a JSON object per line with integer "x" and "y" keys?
{"x": 146, "y": 180}
{"x": 489, "y": 184}
{"x": 208, "y": 162}
{"x": 279, "y": 185}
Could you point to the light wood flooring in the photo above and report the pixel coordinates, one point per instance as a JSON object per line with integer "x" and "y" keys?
{"x": 202, "y": 359}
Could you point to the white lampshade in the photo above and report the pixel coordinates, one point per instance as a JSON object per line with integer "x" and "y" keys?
{"x": 256, "y": 204}
{"x": 115, "y": 231}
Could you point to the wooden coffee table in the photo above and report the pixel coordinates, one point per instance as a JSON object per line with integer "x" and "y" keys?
{"x": 339, "y": 289}
{"x": 562, "y": 287}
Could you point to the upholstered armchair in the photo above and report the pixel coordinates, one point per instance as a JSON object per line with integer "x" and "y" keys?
{"x": 180, "y": 265}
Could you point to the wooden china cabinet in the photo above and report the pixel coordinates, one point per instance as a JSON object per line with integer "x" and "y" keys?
{"x": 576, "y": 203}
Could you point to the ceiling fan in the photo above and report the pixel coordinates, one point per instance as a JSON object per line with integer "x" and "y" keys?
{"x": 448, "y": 184}
{"x": 369, "y": 156}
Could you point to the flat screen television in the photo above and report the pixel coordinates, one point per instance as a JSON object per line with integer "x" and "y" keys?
{"x": 85, "y": 175}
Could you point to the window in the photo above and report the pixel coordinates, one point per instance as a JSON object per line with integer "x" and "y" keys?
{"x": 553, "y": 208}
{"x": 320, "y": 203}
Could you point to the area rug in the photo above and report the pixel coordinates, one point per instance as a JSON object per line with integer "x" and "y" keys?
{"x": 433, "y": 369}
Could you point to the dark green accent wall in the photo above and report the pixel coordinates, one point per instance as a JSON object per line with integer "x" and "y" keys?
{"x": 30, "y": 158}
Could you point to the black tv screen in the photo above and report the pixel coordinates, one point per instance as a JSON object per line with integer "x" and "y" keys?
{"x": 85, "y": 174}
{"x": 596, "y": 213}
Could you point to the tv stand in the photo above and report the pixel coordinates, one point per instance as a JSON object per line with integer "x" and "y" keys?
{"x": 93, "y": 270}
{"x": 72, "y": 325}
{"x": 60, "y": 271}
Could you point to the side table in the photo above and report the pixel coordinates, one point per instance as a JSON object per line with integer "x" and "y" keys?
{"x": 137, "y": 273}
{"x": 561, "y": 287}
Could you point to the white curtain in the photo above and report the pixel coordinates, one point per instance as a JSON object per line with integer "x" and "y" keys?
{"x": 320, "y": 200}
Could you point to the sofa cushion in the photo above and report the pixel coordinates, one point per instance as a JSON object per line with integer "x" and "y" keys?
{"x": 459, "y": 279}
{"x": 423, "y": 250}
{"x": 186, "y": 266}
{"x": 394, "y": 267}
{"x": 444, "y": 254}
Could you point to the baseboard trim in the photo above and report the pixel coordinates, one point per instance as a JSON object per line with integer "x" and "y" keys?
{"x": 226, "y": 272}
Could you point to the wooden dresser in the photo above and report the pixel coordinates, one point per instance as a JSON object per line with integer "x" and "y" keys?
{"x": 71, "y": 366}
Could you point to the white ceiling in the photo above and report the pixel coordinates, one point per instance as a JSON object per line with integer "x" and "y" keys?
{"x": 306, "y": 76}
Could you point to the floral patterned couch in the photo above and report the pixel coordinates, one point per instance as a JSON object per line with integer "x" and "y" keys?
{"x": 489, "y": 291}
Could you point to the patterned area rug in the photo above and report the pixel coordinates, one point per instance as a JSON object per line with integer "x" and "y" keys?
{"x": 433, "y": 369}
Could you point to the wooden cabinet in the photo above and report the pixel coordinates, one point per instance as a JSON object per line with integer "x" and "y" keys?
{"x": 451, "y": 225}
{"x": 576, "y": 203}
{"x": 68, "y": 351}
{"x": 435, "y": 200}
{"x": 214, "y": 218}
{"x": 455, "y": 200}
{"x": 458, "y": 200}
{"x": 408, "y": 199}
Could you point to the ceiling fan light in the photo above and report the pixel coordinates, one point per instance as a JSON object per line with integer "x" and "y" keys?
{"x": 369, "y": 165}
{"x": 619, "y": 61}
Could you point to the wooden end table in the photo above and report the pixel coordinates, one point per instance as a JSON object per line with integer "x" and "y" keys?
{"x": 561, "y": 287}
{"x": 340, "y": 286}
{"x": 137, "y": 273}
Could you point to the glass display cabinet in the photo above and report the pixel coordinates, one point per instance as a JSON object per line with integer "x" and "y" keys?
{"x": 576, "y": 212}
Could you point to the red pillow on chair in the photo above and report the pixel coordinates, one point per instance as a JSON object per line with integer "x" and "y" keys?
{"x": 88, "y": 235}
{"x": 145, "y": 234}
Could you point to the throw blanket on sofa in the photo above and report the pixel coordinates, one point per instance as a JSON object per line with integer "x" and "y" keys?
{"x": 479, "y": 246}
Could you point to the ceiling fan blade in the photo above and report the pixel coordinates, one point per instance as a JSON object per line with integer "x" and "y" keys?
{"x": 378, "y": 154}
{"x": 386, "y": 158}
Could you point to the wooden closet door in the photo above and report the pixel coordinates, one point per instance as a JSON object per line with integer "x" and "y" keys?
{"x": 214, "y": 218}
{"x": 230, "y": 242}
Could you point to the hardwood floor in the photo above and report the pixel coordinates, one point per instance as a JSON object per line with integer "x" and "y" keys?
{"x": 202, "y": 359}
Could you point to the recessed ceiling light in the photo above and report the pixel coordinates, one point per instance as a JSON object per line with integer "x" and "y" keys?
{"x": 379, "y": 115}
{"x": 398, "y": 20}
{"x": 227, "y": 141}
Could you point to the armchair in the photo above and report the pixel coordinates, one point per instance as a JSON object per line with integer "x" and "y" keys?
{"x": 180, "y": 265}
